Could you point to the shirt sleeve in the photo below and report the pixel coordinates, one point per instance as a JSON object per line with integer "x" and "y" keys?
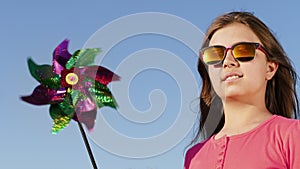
{"x": 292, "y": 150}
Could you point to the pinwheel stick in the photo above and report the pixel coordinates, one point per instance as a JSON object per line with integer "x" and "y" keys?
{"x": 87, "y": 145}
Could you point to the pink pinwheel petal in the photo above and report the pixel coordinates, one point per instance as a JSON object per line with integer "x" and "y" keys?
{"x": 42, "y": 95}
{"x": 85, "y": 105}
{"x": 87, "y": 118}
{"x": 61, "y": 56}
{"x": 100, "y": 74}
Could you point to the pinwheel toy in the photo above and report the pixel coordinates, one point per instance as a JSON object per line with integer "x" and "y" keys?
{"x": 73, "y": 87}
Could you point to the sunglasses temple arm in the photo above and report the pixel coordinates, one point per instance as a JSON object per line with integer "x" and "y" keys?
{"x": 261, "y": 48}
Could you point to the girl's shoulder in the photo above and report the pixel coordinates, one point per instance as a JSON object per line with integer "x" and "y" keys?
{"x": 195, "y": 148}
{"x": 192, "y": 151}
{"x": 281, "y": 121}
{"x": 286, "y": 126}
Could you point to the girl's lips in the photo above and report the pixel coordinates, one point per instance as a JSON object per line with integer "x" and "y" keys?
{"x": 232, "y": 76}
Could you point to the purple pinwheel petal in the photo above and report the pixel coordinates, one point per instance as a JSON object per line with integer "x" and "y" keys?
{"x": 61, "y": 56}
{"x": 42, "y": 95}
{"x": 99, "y": 73}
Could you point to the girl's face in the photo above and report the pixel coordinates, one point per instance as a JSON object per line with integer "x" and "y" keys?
{"x": 234, "y": 79}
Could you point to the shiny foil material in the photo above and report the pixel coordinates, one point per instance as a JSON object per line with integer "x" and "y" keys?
{"x": 72, "y": 86}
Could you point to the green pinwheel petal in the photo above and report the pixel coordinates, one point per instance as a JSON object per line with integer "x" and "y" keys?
{"x": 83, "y": 57}
{"x": 67, "y": 106}
{"x": 52, "y": 83}
{"x": 60, "y": 119}
{"x": 102, "y": 95}
{"x": 44, "y": 74}
{"x": 62, "y": 113}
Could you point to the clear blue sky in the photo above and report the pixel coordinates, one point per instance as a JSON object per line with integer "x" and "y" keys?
{"x": 33, "y": 28}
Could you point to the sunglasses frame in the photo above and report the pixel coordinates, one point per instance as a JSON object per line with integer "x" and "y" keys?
{"x": 231, "y": 48}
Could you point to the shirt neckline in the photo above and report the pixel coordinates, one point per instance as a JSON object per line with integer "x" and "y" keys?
{"x": 245, "y": 133}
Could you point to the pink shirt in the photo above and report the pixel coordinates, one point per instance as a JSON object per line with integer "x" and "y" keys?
{"x": 274, "y": 144}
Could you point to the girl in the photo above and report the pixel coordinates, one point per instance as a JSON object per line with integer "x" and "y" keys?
{"x": 244, "y": 67}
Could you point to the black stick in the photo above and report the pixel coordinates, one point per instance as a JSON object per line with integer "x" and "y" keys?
{"x": 86, "y": 142}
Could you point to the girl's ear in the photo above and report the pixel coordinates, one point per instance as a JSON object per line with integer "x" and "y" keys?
{"x": 271, "y": 69}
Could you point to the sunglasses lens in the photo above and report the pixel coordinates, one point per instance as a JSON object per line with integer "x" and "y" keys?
{"x": 213, "y": 55}
{"x": 244, "y": 52}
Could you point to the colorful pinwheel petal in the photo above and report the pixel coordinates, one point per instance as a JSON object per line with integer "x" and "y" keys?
{"x": 73, "y": 87}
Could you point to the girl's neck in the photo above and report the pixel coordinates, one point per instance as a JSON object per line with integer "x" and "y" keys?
{"x": 241, "y": 117}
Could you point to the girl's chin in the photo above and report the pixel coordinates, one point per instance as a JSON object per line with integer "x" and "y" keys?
{"x": 231, "y": 93}
{"x": 231, "y": 96}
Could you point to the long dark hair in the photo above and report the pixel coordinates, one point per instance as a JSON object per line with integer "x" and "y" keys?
{"x": 280, "y": 97}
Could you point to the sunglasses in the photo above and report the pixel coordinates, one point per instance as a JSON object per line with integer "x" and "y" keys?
{"x": 242, "y": 51}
